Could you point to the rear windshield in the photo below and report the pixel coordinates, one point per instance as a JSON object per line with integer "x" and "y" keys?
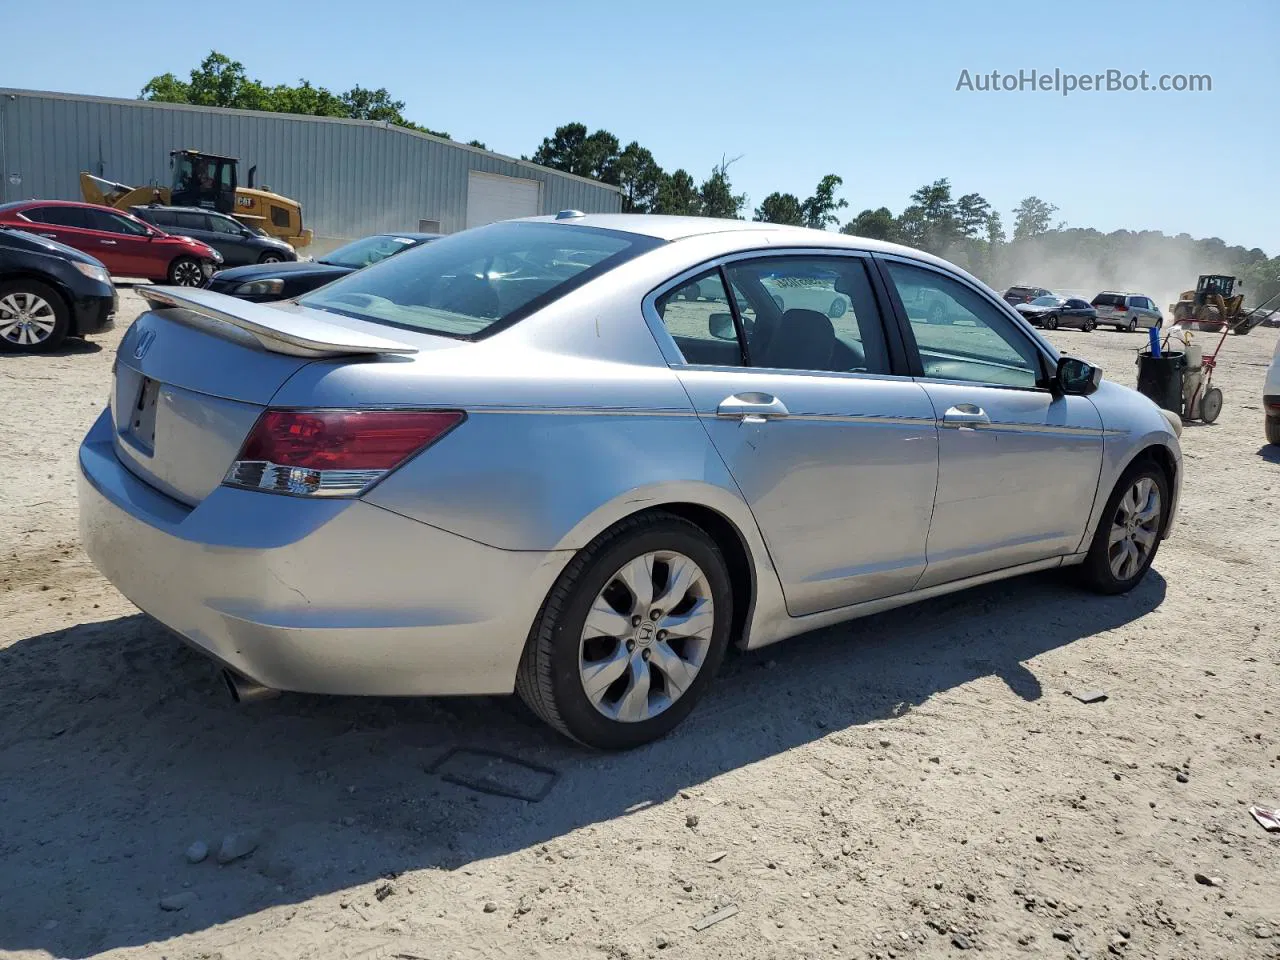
{"x": 480, "y": 280}
{"x": 1109, "y": 300}
{"x": 1021, "y": 292}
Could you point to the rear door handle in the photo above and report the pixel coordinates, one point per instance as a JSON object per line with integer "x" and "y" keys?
{"x": 51, "y": 236}
{"x": 966, "y": 415}
{"x": 752, "y": 407}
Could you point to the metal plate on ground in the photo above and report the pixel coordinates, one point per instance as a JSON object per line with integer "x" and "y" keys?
{"x": 494, "y": 773}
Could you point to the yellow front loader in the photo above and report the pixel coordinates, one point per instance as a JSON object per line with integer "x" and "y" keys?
{"x": 209, "y": 181}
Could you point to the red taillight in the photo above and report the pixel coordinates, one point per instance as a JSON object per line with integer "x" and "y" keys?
{"x": 334, "y": 452}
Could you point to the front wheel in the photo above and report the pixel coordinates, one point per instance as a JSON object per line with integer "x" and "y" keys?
{"x": 1051, "y": 323}
{"x": 631, "y": 635}
{"x": 1128, "y": 534}
{"x": 270, "y": 258}
{"x": 33, "y": 317}
{"x": 186, "y": 272}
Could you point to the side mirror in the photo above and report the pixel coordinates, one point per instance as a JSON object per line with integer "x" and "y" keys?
{"x": 1075, "y": 377}
{"x": 720, "y": 326}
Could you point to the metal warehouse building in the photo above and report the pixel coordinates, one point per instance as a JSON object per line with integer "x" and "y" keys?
{"x": 352, "y": 177}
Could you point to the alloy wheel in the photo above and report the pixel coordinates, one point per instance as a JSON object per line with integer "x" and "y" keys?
{"x": 187, "y": 274}
{"x": 646, "y": 636}
{"x": 1135, "y": 528}
{"x": 26, "y": 319}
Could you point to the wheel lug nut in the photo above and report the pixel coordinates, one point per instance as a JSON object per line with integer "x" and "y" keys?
{"x": 631, "y": 645}
{"x": 655, "y": 615}
{"x": 645, "y": 654}
{"x": 662, "y": 634}
{"x": 635, "y": 621}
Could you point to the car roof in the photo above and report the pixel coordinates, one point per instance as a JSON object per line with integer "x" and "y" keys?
{"x": 669, "y": 228}
{"x": 411, "y": 234}
{"x": 171, "y": 208}
{"x": 18, "y": 204}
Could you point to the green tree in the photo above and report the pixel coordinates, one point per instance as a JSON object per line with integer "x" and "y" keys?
{"x": 220, "y": 81}
{"x": 1032, "y": 217}
{"x": 819, "y": 210}
{"x": 972, "y": 213}
{"x": 717, "y": 196}
{"x": 995, "y": 229}
{"x": 573, "y": 150}
{"x": 781, "y": 208}
{"x": 878, "y": 224}
{"x": 640, "y": 178}
{"x": 678, "y": 195}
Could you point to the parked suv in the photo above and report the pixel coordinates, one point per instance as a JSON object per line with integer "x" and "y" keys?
{"x": 239, "y": 245}
{"x": 49, "y": 292}
{"x": 128, "y": 247}
{"x": 1023, "y": 294}
{"x": 1127, "y": 311}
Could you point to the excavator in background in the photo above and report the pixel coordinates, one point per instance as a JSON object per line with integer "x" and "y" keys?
{"x": 210, "y": 181}
{"x": 1213, "y": 304}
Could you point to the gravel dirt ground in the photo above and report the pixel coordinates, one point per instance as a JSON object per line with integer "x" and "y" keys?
{"x": 918, "y": 784}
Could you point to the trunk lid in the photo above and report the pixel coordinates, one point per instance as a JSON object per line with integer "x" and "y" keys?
{"x": 192, "y": 376}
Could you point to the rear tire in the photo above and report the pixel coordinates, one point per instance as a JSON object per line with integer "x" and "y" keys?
{"x": 558, "y": 657}
{"x": 1108, "y": 567}
{"x": 1088, "y": 326}
{"x": 1133, "y": 325}
{"x": 1273, "y": 431}
{"x": 186, "y": 272}
{"x": 33, "y": 317}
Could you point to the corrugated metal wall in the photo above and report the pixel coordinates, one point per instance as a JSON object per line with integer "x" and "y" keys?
{"x": 351, "y": 177}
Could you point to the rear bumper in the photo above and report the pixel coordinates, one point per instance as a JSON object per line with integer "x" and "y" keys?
{"x": 330, "y": 597}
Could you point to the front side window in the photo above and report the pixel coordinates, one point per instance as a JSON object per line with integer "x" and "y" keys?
{"x": 109, "y": 222}
{"x": 223, "y": 225}
{"x": 810, "y": 313}
{"x": 489, "y": 277}
{"x": 972, "y": 341}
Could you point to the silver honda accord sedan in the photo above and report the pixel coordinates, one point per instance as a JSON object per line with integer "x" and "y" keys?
{"x": 578, "y": 456}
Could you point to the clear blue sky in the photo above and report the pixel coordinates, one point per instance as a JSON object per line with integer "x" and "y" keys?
{"x": 798, "y": 88}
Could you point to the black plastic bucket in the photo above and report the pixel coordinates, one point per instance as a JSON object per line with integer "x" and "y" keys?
{"x": 1160, "y": 378}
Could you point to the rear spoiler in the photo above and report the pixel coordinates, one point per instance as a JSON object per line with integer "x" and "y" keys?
{"x": 298, "y": 334}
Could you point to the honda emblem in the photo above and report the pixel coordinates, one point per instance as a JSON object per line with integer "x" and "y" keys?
{"x": 144, "y": 344}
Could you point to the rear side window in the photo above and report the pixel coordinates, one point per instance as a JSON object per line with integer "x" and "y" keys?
{"x": 191, "y": 221}
{"x": 476, "y": 282}
{"x": 809, "y": 313}
{"x": 699, "y": 318}
{"x": 59, "y": 216}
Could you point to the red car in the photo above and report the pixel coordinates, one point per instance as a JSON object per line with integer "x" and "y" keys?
{"x": 127, "y": 246}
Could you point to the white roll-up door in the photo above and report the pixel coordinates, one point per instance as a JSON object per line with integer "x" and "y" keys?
{"x": 491, "y": 197}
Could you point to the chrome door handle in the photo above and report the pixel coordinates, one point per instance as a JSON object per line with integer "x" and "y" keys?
{"x": 965, "y": 415}
{"x": 751, "y": 407}
{"x": 51, "y": 236}
{"x": 111, "y": 242}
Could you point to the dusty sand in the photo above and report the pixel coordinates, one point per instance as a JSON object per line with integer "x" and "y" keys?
{"x": 907, "y": 786}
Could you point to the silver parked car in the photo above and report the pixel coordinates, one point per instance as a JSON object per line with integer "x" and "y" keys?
{"x": 1127, "y": 311}
{"x": 579, "y": 456}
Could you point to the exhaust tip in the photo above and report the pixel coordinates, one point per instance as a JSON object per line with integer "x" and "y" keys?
{"x": 244, "y": 690}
